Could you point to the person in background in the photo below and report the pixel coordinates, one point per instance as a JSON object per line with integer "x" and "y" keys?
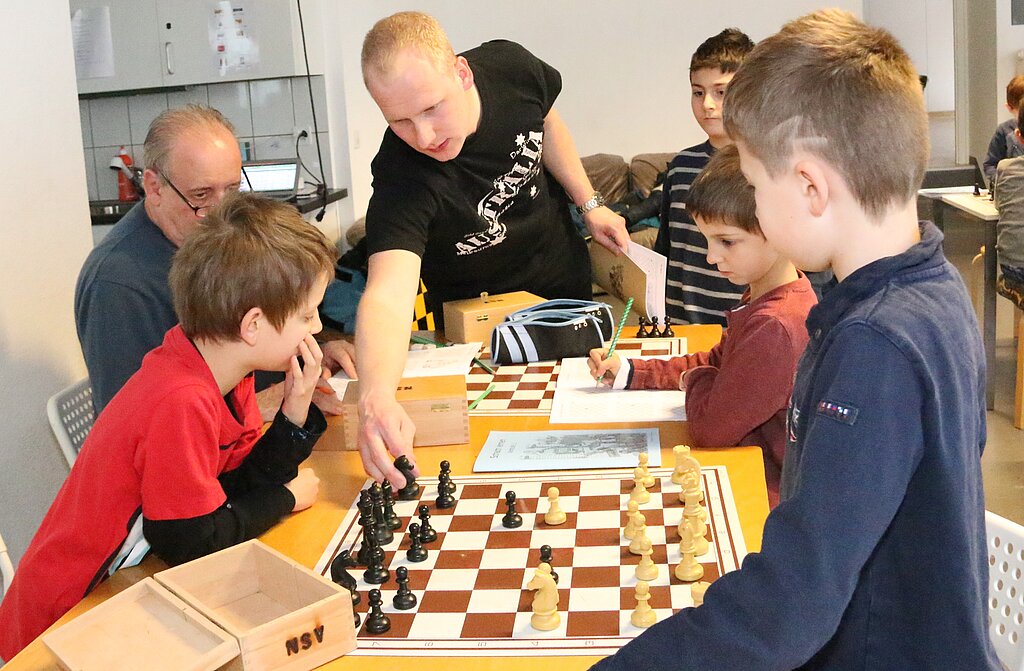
{"x": 469, "y": 192}
{"x": 178, "y": 461}
{"x": 1005, "y": 142}
{"x": 737, "y": 393}
{"x": 123, "y": 303}
{"x": 1009, "y": 200}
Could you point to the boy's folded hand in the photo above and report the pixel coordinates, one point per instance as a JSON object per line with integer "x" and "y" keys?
{"x": 601, "y": 369}
{"x": 301, "y": 381}
{"x": 304, "y": 488}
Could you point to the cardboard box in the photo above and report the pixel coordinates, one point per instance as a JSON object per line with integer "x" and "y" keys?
{"x": 143, "y": 627}
{"x": 473, "y": 319}
{"x": 436, "y": 405}
{"x": 283, "y": 615}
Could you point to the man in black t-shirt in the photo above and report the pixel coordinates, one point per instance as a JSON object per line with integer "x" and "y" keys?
{"x": 470, "y": 191}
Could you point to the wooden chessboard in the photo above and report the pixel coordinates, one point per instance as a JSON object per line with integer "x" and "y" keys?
{"x": 528, "y": 389}
{"x": 470, "y": 589}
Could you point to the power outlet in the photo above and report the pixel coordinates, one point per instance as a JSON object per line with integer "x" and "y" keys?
{"x": 297, "y": 134}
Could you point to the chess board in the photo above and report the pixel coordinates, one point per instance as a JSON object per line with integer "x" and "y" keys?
{"x": 528, "y": 389}
{"x": 470, "y": 590}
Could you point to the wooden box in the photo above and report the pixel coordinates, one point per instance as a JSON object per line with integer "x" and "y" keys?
{"x": 143, "y": 627}
{"x": 283, "y": 615}
{"x": 473, "y": 319}
{"x": 436, "y": 405}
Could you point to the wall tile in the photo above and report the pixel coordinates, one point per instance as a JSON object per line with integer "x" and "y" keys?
{"x": 90, "y": 174}
{"x": 109, "y": 120}
{"x": 272, "y": 107}
{"x": 83, "y": 115}
{"x": 232, "y": 99}
{"x": 142, "y": 109}
{"x": 273, "y": 146}
{"x": 309, "y": 158}
{"x": 300, "y": 103}
{"x": 106, "y": 179}
{"x": 197, "y": 94}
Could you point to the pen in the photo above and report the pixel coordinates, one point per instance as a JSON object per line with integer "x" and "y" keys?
{"x": 482, "y": 396}
{"x": 420, "y": 340}
{"x": 618, "y": 331}
{"x": 483, "y": 365}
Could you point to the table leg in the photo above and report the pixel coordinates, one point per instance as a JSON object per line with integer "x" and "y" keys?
{"x": 989, "y": 317}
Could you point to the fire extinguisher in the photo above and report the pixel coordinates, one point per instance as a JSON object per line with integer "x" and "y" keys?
{"x": 125, "y": 188}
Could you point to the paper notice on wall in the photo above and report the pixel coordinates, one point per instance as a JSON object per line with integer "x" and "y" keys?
{"x": 93, "y": 43}
{"x": 230, "y": 38}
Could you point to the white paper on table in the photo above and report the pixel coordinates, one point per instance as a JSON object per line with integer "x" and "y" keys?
{"x": 654, "y": 266}
{"x": 434, "y": 361}
{"x": 93, "y": 42}
{"x": 579, "y": 400}
{"x": 560, "y": 450}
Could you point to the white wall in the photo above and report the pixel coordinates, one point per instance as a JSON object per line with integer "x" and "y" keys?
{"x": 624, "y": 65}
{"x": 44, "y": 237}
{"x": 1009, "y": 41}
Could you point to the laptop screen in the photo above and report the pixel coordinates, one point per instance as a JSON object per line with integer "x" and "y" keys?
{"x": 278, "y": 176}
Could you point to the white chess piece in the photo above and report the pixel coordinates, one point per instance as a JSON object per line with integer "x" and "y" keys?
{"x": 646, "y": 569}
{"x": 679, "y": 452}
{"x": 643, "y": 615}
{"x": 688, "y": 569}
{"x": 640, "y": 493}
{"x": 638, "y": 536}
{"x": 697, "y": 591}
{"x": 545, "y": 602}
{"x": 632, "y": 510}
{"x": 555, "y": 515}
{"x": 699, "y": 528}
{"x": 648, "y": 478}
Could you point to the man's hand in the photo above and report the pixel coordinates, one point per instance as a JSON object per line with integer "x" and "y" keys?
{"x": 385, "y": 433}
{"x": 607, "y": 229}
{"x": 301, "y": 381}
{"x": 601, "y": 369}
{"x": 340, "y": 354}
{"x": 304, "y": 488}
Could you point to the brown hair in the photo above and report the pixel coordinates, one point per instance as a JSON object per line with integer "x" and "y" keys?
{"x": 401, "y": 31}
{"x": 829, "y": 85}
{"x": 170, "y": 124}
{"x": 725, "y": 51}
{"x": 248, "y": 252}
{"x": 1015, "y": 91}
{"x": 721, "y": 193}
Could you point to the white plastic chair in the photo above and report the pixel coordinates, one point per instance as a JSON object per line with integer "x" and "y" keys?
{"x": 6, "y": 569}
{"x": 71, "y": 417}
{"x": 1006, "y": 589}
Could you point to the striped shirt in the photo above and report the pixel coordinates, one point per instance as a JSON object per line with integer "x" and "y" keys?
{"x": 695, "y": 292}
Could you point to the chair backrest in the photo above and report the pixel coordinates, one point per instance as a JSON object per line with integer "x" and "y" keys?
{"x": 6, "y": 569}
{"x": 1006, "y": 589}
{"x": 71, "y": 417}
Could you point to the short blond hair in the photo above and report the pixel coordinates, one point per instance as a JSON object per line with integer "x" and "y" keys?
{"x": 405, "y": 30}
{"x": 1015, "y": 91}
{"x": 249, "y": 252}
{"x": 843, "y": 91}
{"x": 170, "y": 124}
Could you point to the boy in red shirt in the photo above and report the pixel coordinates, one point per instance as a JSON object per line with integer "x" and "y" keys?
{"x": 737, "y": 393}
{"x": 176, "y": 461}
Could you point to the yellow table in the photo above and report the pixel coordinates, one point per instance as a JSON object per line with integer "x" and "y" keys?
{"x": 304, "y": 536}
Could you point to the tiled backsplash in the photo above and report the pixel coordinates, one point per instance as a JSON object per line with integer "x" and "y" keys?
{"x": 265, "y": 113}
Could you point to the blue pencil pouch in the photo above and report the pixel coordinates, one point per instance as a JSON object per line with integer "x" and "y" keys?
{"x": 547, "y": 335}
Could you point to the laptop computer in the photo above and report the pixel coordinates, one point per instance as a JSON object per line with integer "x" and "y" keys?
{"x": 274, "y": 178}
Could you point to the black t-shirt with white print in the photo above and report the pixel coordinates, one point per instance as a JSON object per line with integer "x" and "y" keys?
{"x": 492, "y": 219}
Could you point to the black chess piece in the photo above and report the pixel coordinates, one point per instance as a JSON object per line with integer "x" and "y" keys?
{"x": 416, "y": 552}
{"x": 340, "y": 575}
{"x": 444, "y": 499}
{"x": 667, "y": 332}
{"x": 375, "y": 573}
{"x": 404, "y": 598}
{"x": 376, "y": 621}
{"x": 390, "y": 517}
{"x": 642, "y": 331}
{"x": 511, "y": 519}
{"x": 380, "y": 526}
{"x": 427, "y": 533}
{"x": 365, "y": 506}
{"x": 446, "y": 470}
{"x": 546, "y": 557}
{"x": 411, "y": 491}
{"x": 655, "y": 333}
{"x": 355, "y": 619}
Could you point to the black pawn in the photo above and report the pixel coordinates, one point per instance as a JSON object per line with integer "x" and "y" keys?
{"x": 427, "y": 533}
{"x": 444, "y": 499}
{"x": 667, "y": 332}
{"x": 446, "y": 470}
{"x": 390, "y": 517}
{"x": 512, "y": 519}
{"x": 411, "y": 491}
{"x": 642, "y": 331}
{"x": 546, "y": 556}
{"x": 404, "y": 598}
{"x": 655, "y": 333}
{"x": 416, "y": 552}
{"x": 341, "y": 576}
{"x": 376, "y": 621}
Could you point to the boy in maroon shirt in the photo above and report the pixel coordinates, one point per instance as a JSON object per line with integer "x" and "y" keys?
{"x": 737, "y": 393}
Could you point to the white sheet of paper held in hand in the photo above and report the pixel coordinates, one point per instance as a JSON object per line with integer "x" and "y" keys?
{"x": 426, "y": 362}
{"x": 577, "y": 400}
{"x": 562, "y": 450}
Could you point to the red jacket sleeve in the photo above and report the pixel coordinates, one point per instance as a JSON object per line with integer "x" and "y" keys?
{"x": 664, "y": 373}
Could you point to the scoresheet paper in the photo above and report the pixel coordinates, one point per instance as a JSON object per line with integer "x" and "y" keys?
{"x": 578, "y": 400}
{"x": 564, "y": 450}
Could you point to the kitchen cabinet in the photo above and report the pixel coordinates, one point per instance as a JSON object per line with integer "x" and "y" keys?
{"x": 170, "y": 43}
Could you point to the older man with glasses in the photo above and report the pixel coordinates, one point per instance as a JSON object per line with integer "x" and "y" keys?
{"x": 123, "y": 302}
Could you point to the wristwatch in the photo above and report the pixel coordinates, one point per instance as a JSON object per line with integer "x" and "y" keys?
{"x": 597, "y": 200}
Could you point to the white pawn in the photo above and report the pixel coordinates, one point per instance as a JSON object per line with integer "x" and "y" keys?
{"x": 555, "y": 515}
{"x": 648, "y": 478}
{"x": 640, "y": 493}
{"x": 643, "y": 615}
{"x": 633, "y": 509}
{"x": 646, "y": 569}
{"x": 638, "y": 537}
{"x": 697, "y": 591}
{"x": 688, "y": 569}
{"x": 679, "y": 452}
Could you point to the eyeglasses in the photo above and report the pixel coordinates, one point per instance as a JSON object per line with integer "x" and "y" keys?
{"x": 200, "y": 211}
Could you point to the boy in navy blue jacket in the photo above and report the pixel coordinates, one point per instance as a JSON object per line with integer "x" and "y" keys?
{"x": 875, "y": 558}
